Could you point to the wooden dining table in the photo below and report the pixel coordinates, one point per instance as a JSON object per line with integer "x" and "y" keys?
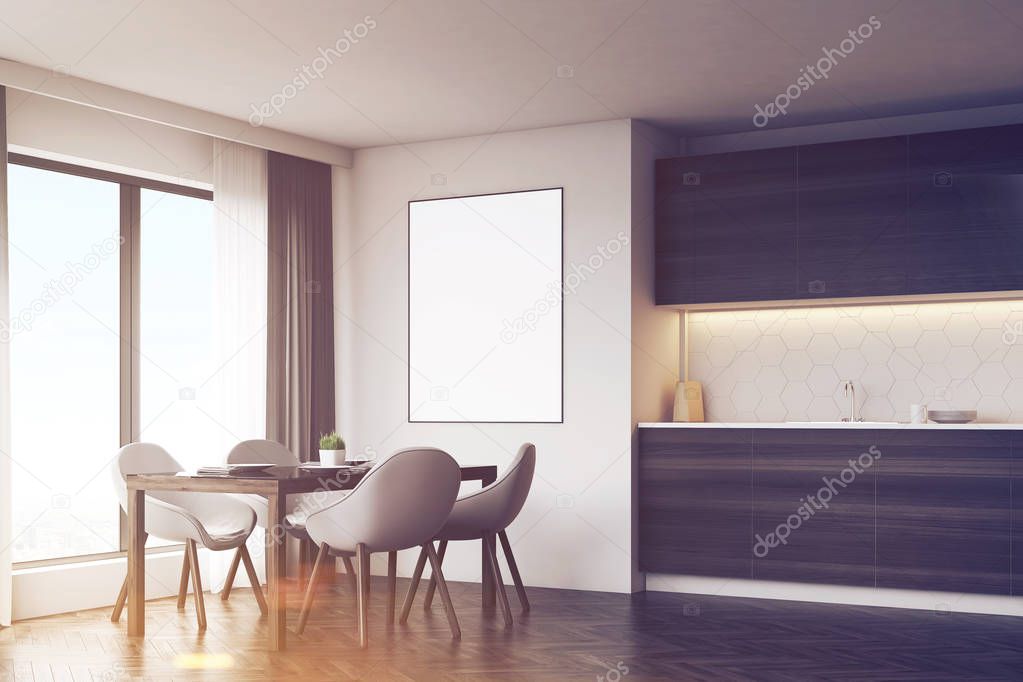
{"x": 275, "y": 484}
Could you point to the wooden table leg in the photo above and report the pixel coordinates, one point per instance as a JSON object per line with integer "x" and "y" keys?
{"x": 275, "y": 539}
{"x": 136, "y": 563}
{"x": 489, "y": 588}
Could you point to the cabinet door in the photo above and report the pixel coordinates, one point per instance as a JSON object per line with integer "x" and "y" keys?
{"x": 966, "y": 211}
{"x": 695, "y": 501}
{"x": 726, "y": 227}
{"x": 943, "y": 511}
{"x": 817, "y": 489}
{"x": 1017, "y": 513}
{"x": 852, "y": 218}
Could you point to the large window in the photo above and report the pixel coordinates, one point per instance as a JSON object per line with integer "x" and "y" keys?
{"x": 111, "y": 336}
{"x": 176, "y": 316}
{"x": 64, "y": 239}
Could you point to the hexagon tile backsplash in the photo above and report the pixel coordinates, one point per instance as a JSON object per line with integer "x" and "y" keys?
{"x": 789, "y": 364}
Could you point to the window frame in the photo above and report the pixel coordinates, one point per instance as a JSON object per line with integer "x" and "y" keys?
{"x": 129, "y": 281}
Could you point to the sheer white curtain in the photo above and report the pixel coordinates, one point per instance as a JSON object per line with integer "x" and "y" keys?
{"x": 5, "y": 383}
{"x": 238, "y": 389}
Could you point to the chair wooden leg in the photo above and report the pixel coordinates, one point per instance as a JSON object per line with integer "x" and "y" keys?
{"x": 122, "y": 597}
{"x": 350, "y": 572}
{"x": 392, "y": 584}
{"x": 442, "y": 587}
{"x": 441, "y": 549}
{"x": 362, "y": 554}
{"x": 307, "y": 602}
{"x": 502, "y": 594}
{"x": 250, "y": 570}
{"x": 229, "y": 581}
{"x": 183, "y": 584}
{"x": 200, "y": 604}
{"x": 329, "y": 573}
{"x": 416, "y": 576}
{"x": 520, "y": 589}
{"x": 303, "y": 562}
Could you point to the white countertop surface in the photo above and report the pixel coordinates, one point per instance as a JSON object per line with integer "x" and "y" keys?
{"x": 826, "y": 425}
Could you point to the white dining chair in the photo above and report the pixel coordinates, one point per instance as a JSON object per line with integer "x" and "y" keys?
{"x": 297, "y": 507}
{"x": 485, "y": 515}
{"x": 213, "y": 521}
{"x": 401, "y": 503}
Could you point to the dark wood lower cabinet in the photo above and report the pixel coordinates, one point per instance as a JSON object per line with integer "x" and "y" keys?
{"x": 817, "y": 489}
{"x": 695, "y": 501}
{"x": 943, "y": 511}
{"x": 928, "y": 509}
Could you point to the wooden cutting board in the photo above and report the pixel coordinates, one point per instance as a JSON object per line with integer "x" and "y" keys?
{"x": 688, "y": 402}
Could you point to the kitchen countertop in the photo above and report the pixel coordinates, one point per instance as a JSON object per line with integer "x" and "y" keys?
{"x": 826, "y": 425}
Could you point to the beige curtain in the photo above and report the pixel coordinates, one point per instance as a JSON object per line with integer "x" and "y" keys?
{"x": 237, "y": 393}
{"x": 300, "y": 304}
{"x": 5, "y": 382}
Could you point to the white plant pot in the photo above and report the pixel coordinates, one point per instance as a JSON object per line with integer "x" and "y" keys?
{"x": 332, "y": 458}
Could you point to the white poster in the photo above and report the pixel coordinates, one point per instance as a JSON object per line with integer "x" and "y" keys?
{"x": 485, "y": 308}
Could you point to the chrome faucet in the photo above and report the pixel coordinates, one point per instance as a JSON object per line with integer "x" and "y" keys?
{"x": 850, "y": 390}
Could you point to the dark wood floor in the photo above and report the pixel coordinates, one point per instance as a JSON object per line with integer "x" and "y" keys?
{"x": 568, "y": 635}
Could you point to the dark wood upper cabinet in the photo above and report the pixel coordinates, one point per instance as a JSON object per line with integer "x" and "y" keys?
{"x": 804, "y": 482}
{"x": 852, "y": 218}
{"x": 943, "y": 511}
{"x": 965, "y": 211}
{"x": 695, "y": 501}
{"x": 1017, "y": 513}
{"x": 934, "y": 213}
{"x": 726, "y": 227}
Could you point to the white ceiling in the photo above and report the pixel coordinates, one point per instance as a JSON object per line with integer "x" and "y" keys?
{"x": 433, "y": 69}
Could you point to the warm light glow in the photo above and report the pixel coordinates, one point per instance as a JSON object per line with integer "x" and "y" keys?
{"x": 856, "y": 309}
{"x": 204, "y": 661}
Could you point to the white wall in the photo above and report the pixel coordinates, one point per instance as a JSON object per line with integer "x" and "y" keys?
{"x": 655, "y": 331}
{"x": 85, "y": 585}
{"x": 575, "y": 530}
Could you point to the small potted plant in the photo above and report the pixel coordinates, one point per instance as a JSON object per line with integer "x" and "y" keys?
{"x": 332, "y": 449}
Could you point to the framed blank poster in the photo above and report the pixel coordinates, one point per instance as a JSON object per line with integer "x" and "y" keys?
{"x": 485, "y": 308}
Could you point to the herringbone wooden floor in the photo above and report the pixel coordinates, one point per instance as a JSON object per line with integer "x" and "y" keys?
{"x": 568, "y": 635}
